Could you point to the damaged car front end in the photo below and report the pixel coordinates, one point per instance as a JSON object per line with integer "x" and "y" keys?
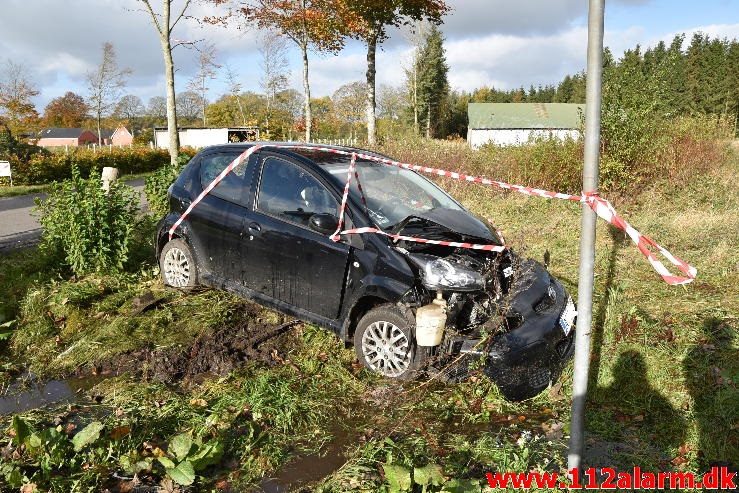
{"x": 503, "y": 315}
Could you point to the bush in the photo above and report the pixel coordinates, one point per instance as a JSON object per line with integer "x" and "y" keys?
{"x": 89, "y": 228}
{"x": 156, "y": 185}
{"x": 47, "y": 167}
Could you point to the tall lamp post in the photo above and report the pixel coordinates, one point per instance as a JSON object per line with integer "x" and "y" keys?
{"x": 587, "y": 230}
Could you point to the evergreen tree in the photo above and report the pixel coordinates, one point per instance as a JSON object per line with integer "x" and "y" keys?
{"x": 433, "y": 85}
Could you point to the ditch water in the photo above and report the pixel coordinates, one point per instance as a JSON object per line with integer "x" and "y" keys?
{"x": 310, "y": 468}
{"x": 26, "y": 393}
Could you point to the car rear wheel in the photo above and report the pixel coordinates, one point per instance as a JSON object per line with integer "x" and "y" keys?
{"x": 177, "y": 265}
{"x": 384, "y": 343}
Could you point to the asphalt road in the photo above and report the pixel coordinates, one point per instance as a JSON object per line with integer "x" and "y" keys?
{"x": 19, "y": 228}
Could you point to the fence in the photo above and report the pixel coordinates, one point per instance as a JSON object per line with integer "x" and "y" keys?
{"x": 336, "y": 142}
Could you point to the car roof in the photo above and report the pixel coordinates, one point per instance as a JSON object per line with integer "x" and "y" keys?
{"x": 300, "y": 149}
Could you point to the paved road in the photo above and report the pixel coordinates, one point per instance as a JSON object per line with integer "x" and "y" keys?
{"x": 19, "y": 228}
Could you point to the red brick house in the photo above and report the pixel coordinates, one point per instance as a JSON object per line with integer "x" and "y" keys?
{"x": 59, "y": 137}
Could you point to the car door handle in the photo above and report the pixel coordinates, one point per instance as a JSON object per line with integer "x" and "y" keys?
{"x": 254, "y": 228}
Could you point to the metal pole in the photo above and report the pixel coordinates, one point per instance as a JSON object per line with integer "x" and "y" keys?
{"x": 587, "y": 230}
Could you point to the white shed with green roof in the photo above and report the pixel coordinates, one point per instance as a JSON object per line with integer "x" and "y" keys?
{"x": 518, "y": 123}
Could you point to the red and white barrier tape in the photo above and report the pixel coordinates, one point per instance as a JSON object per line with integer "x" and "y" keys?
{"x": 601, "y": 206}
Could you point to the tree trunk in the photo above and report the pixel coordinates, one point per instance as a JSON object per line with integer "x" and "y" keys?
{"x": 100, "y": 135}
{"x": 306, "y": 90}
{"x": 416, "y": 128}
{"x": 371, "y": 75}
{"x": 241, "y": 110}
{"x": 428, "y": 122}
{"x": 174, "y": 136}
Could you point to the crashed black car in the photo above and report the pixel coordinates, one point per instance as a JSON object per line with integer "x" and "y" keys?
{"x": 264, "y": 233}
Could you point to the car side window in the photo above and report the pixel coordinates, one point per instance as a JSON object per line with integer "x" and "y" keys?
{"x": 233, "y": 186}
{"x": 291, "y": 193}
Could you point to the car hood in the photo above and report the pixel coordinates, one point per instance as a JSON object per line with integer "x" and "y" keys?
{"x": 439, "y": 223}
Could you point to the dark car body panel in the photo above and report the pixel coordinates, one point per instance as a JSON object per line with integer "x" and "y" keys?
{"x": 290, "y": 267}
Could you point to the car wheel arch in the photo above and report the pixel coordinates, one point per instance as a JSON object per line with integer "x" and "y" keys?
{"x": 358, "y": 310}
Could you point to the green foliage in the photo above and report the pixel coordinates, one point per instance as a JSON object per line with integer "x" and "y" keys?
{"x": 88, "y": 435}
{"x": 11, "y": 149}
{"x": 432, "y": 83}
{"x": 187, "y": 456}
{"x": 46, "y": 167}
{"x": 157, "y": 184}
{"x": 89, "y": 227}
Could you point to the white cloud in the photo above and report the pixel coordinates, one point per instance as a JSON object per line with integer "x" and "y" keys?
{"x": 495, "y": 42}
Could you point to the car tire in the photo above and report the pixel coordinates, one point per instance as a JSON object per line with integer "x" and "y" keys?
{"x": 177, "y": 265}
{"x": 385, "y": 343}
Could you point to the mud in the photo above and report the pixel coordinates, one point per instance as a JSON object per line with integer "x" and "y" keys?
{"x": 216, "y": 352}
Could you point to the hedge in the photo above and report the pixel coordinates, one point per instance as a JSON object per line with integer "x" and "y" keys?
{"x": 57, "y": 166}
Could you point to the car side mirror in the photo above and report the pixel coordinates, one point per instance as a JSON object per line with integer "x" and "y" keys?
{"x": 324, "y": 223}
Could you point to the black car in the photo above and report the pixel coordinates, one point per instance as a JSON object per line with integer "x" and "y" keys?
{"x": 264, "y": 232}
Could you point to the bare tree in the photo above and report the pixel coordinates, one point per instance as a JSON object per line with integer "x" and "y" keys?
{"x": 16, "y": 91}
{"x": 105, "y": 84}
{"x": 234, "y": 87}
{"x": 275, "y": 69}
{"x": 207, "y": 69}
{"x": 189, "y": 106}
{"x": 131, "y": 108}
{"x": 157, "y": 108}
{"x": 165, "y": 23}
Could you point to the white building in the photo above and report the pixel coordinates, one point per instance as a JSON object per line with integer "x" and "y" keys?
{"x": 518, "y": 123}
{"x": 204, "y": 137}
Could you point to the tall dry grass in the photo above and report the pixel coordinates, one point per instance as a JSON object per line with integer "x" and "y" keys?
{"x": 683, "y": 149}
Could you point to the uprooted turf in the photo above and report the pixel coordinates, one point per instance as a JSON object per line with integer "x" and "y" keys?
{"x": 663, "y": 392}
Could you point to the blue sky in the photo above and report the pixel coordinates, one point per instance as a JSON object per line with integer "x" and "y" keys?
{"x": 492, "y": 42}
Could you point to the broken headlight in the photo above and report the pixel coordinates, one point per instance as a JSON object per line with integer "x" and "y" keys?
{"x": 442, "y": 274}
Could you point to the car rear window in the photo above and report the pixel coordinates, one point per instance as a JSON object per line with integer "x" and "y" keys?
{"x": 233, "y": 187}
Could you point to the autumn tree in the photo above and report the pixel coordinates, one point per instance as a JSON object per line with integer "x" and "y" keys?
{"x": 275, "y": 69}
{"x": 16, "y": 91}
{"x": 105, "y": 84}
{"x": 369, "y": 21}
{"x": 207, "y": 70}
{"x": 315, "y": 24}
{"x": 67, "y": 111}
{"x": 165, "y": 22}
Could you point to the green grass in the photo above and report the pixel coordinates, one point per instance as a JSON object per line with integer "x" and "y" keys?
{"x": 14, "y": 191}
{"x": 664, "y": 374}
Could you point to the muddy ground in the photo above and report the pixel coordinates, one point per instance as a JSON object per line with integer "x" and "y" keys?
{"x": 216, "y": 352}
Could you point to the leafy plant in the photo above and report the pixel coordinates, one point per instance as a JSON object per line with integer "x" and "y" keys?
{"x": 90, "y": 227}
{"x": 186, "y": 456}
{"x": 156, "y": 185}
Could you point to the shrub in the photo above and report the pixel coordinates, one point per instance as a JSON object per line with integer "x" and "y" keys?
{"x": 156, "y": 185}
{"x": 88, "y": 227}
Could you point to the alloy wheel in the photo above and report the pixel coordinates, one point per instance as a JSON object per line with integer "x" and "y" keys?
{"x": 176, "y": 268}
{"x": 386, "y": 349}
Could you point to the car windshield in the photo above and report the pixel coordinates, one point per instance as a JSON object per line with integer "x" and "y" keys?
{"x": 391, "y": 193}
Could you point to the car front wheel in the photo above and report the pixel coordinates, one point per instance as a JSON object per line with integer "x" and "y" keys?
{"x": 384, "y": 343}
{"x": 177, "y": 265}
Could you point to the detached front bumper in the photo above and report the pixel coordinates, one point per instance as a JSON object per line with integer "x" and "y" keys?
{"x": 524, "y": 361}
